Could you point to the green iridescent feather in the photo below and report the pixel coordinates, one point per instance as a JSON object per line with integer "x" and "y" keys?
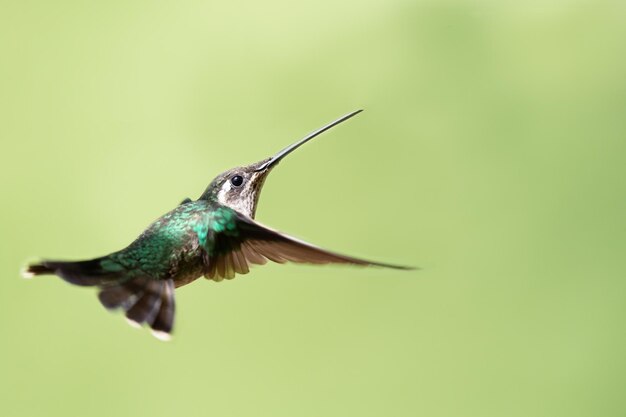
{"x": 179, "y": 236}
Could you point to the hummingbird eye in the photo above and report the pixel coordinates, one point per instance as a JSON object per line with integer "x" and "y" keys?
{"x": 237, "y": 180}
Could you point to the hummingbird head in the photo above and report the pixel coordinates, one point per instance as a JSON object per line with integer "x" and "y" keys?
{"x": 239, "y": 188}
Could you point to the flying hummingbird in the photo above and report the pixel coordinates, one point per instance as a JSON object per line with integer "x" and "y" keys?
{"x": 214, "y": 236}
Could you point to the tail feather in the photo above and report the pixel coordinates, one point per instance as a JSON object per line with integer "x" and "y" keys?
{"x": 147, "y": 306}
{"x": 164, "y": 321}
{"x": 143, "y": 299}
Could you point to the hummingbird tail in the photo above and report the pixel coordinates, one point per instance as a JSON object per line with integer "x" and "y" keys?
{"x": 143, "y": 299}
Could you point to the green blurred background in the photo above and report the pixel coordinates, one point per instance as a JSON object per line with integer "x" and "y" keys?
{"x": 491, "y": 153}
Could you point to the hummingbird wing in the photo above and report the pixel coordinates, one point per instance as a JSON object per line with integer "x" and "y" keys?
{"x": 255, "y": 244}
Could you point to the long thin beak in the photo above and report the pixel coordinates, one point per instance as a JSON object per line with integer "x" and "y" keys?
{"x": 280, "y": 155}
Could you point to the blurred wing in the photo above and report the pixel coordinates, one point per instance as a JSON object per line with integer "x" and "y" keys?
{"x": 255, "y": 244}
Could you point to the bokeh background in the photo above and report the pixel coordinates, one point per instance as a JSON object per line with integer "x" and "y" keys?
{"x": 491, "y": 154}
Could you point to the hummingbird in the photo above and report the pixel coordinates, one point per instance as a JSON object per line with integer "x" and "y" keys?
{"x": 215, "y": 236}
